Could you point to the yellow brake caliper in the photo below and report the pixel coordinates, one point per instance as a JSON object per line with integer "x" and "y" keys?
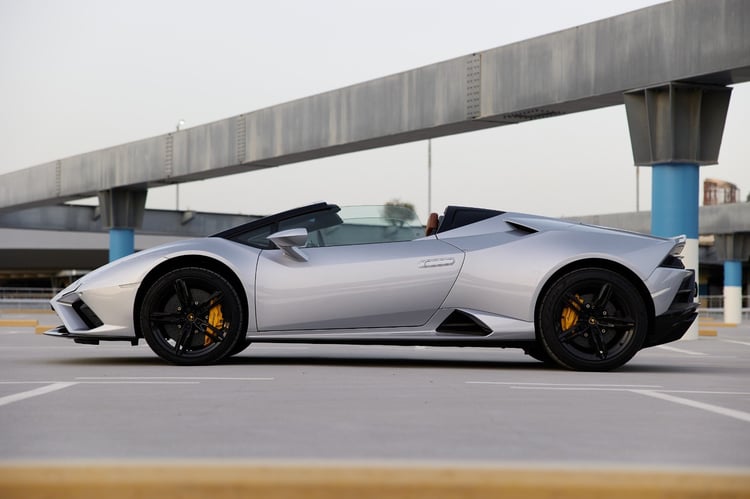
{"x": 569, "y": 316}
{"x": 216, "y": 320}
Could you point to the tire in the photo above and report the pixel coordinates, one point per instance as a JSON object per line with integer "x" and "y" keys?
{"x": 192, "y": 316}
{"x": 592, "y": 319}
{"x": 537, "y": 352}
{"x": 240, "y": 346}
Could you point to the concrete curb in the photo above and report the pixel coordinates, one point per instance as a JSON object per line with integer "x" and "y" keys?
{"x": 19, "y": 323}
{"x": 233, "y": 479}
{"x": 38, "y": 328}
{"x": 35, "y": 311}
{"x": 716, "y": 323}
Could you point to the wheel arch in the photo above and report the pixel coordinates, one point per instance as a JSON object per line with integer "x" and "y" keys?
{"x": 599, "y": 263}
{"x": 179, "y": 262}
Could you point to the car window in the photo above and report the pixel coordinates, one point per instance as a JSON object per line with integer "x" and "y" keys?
{"x": 347, "y": 226}
{"x": 256, "y": 237}
{"x": 370, "y": 224}
{"x": 314, "y": 222}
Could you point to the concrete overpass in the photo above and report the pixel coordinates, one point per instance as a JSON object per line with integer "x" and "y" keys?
{"x": 591, "y": 66}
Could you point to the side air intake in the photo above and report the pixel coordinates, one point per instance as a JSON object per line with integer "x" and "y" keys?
{"x": 463, "y": 323}
{"x": 524, "y": 229}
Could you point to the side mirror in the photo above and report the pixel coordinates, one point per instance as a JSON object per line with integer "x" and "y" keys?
{"x": 289, "y": 242}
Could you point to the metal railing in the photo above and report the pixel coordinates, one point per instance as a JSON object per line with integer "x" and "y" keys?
{"x": 27, "y": 293}
{"x": 713, "y": 306}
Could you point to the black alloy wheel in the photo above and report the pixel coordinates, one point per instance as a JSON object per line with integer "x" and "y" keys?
{"x": 592, "y": 319}
{"x": 192, "y": 316}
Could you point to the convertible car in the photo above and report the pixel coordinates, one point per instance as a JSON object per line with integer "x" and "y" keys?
{"x": 582, "y": 297}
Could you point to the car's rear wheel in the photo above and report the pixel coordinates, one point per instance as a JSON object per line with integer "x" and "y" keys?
{"x": 592, "y": 320}
{"x": 192, "y": 316}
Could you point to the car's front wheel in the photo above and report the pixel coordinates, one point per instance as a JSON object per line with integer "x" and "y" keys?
{"x": 592, "y": 319}
{"x": 192, "y": 316}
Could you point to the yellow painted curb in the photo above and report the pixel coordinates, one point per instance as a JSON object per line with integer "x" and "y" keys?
{"x": 232, "y": 479}
{"x": 708, "y": 332}
{"x": 42, "y": 329}
{"x": 18, "y": 322}
{"x": 11, "y": 311}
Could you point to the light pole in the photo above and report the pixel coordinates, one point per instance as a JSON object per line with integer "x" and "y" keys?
{"x": 177, "y": 186}
{"x": 429, "y": 176}
{"x": 637, "y": 189}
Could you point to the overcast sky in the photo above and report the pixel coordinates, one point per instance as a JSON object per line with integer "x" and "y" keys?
{"x": 81, "y": 75}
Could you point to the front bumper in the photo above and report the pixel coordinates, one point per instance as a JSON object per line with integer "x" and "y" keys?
{"x": 87, "y": 339}
{"x": 89, "y": 310}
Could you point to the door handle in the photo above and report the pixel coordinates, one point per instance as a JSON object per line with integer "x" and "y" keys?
{"x": 436, "y": 262}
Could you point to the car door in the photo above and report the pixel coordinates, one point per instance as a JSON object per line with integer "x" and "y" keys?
{"x": 390, "y": 284}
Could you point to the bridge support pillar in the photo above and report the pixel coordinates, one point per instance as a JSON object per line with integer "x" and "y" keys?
{"x": 732, "y": 291}
{"x": 676, "y": 128}
{"x": 674, "y": 211}
{"x": 121, "y": 242}
{"x": 122, "y": 212}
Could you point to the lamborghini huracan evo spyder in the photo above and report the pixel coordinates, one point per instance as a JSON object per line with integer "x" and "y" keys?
{"x": 583, "y": 297}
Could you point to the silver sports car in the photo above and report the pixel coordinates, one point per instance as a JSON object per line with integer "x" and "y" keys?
{"x": 583, "y": 297}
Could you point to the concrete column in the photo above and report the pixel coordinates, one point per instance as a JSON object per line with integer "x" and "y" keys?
{"x": 674, "y": 211}
{"x": 122, "y": 212}
{"x": 676, "y": 128}
{"x": 732, "y": 292}
{"x": 121, "y": 243}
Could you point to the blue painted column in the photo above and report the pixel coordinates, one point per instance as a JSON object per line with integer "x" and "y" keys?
{"x": 674, "y": 200}
{"x": 674, "y": 211}
{"x": 732, "y": 292}
{"x": 121, "y": 243}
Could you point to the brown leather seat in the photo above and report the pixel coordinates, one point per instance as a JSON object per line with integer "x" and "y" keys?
{"x": 432, "y": 224}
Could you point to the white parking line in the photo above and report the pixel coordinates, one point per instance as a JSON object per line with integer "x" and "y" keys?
{"x": 136, "y": 382}
{"x": 34, "y": 382}
{"x": 574, "y": 388}
{"x": 705, "y": 392}
{"x": 122, "y": 380}
{"x": 166, "y": 378}
{"x": 269, "y": 346}
{"x": 132, "y": 382}
{"x": 716, "y": 409}
{"x": 9, "y": 399}
{"x": 732, "y": 413}
{"x": 737, "y": 342}
{"x": 553, "y": 385}
{"x": 679, "y": 350}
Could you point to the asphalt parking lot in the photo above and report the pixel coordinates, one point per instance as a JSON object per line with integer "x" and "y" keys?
{"x": 686, "y": 404}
